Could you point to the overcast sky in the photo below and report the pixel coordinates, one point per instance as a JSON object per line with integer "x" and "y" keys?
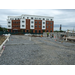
{"x": 65, "y": 17}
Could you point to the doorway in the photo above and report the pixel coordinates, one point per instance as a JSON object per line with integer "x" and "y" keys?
{"x": 39, "y": 31}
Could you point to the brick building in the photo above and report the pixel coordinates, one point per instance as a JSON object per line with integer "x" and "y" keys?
{"x": 30, "y": 23}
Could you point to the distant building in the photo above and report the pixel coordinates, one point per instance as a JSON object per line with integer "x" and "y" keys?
{"x": 27, "y": 23}
{"x": 70, "y": 31}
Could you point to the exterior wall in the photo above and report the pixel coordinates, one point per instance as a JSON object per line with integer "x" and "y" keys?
{"x": 29, "y": 23}
{"x": 43, "y": 21}
{"x": 22, "y": 23}
{"x": 49, "y": 26}
{"x": 15, "y": 25}
{"x": 38, "y": 26}
{"x": 9, "y": 24}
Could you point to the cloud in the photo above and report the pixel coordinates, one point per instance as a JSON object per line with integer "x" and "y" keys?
{"x": 66, "y": 17}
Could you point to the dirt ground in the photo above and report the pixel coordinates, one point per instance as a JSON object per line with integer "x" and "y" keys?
{"x": 2, "y": 38}
{"x": 25, "y": 50}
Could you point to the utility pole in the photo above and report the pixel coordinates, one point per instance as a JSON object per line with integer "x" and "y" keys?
{"x": 60, "y": 27}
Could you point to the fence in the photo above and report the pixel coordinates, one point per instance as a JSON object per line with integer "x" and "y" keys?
{"x": 17, "y": 33}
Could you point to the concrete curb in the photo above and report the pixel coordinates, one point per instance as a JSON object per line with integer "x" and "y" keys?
{"x": 4, "y": 42}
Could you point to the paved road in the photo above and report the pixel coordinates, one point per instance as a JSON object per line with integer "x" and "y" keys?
{"x": 20, "y": 50}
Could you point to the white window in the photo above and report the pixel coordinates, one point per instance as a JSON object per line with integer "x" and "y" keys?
{"x": 27, "y": 17}
{"x": 36, "y": 18}
{"x": 22, "y": 25}
{"x": 39, "y": 18}
{"x": 51, "y": 19}
{"x": 43, "y": 26}
{"x": 22, "y": 21}
{"x": 8, "y": 25}
{"x": 47, "y": 19}
{"x": 43, "y": 18}
{"x": 16, "y": 19}
{"x": 8, "y": 22}
{"x": 31, "y": 17}
{"x": 23, "y": 17}
{"x": 32, "y": 26}
{"x": 31, "y": 21}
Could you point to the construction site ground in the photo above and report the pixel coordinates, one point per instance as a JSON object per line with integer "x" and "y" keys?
{"x": 26, "y": 50}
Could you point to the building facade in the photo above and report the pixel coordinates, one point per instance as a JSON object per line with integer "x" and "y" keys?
{"x": 30, "y": 23}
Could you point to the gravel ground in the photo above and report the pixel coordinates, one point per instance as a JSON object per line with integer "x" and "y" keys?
{"x": 20, "y": 50}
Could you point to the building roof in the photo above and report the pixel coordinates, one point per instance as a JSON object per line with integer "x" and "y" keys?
{"x": 37, "y": 16}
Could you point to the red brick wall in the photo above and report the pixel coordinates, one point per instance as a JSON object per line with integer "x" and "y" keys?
{"x": 49, "y": 26}
{"x": 38, "y": 24}
{"x": 17, "y": 23}
{"x": 27, "y": 25}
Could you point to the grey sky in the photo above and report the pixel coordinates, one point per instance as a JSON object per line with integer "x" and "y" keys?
{"x": 66, "y": 17}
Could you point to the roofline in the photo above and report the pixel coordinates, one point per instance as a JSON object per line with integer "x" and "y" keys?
{"x": 36, "y": 15}
{"x": 14, "y": 16}
{"x": 31, "y": 15}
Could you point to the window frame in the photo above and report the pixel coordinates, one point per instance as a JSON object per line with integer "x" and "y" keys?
{"x": 35, "y": 31}
{"x": 36, "y": 18}
{"x": 23, "y": 26}
{"x": 43, "y": 22}
{"x": 27, "y": 17}
{"x": 31, "y": 17}
{"x": 9, "y": 26}
{"x": 39, "y": 22}
{"x": 47, "y": 26}
{"x": 35, "y": 26}
{"x": 47, "y": 19}
{"x": 32, "y": 26}
{"x": 51, "y": 23}
{"x": 35, "y": 22}
{"x": 39, "y": 18}
{"x": 9, "y": 22}
{"x": 39, "y": 26}
{"x": 43, "y": 26}
{"x": 23, "y": 21}
{"x": 47, "y": 22}
{"x": 23, "y": 17}
{"x": 51, "y": 19}
{"x": 43, "y": 18}
{"x": 32, "y": 22}
{"x": 50, "y": 26}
